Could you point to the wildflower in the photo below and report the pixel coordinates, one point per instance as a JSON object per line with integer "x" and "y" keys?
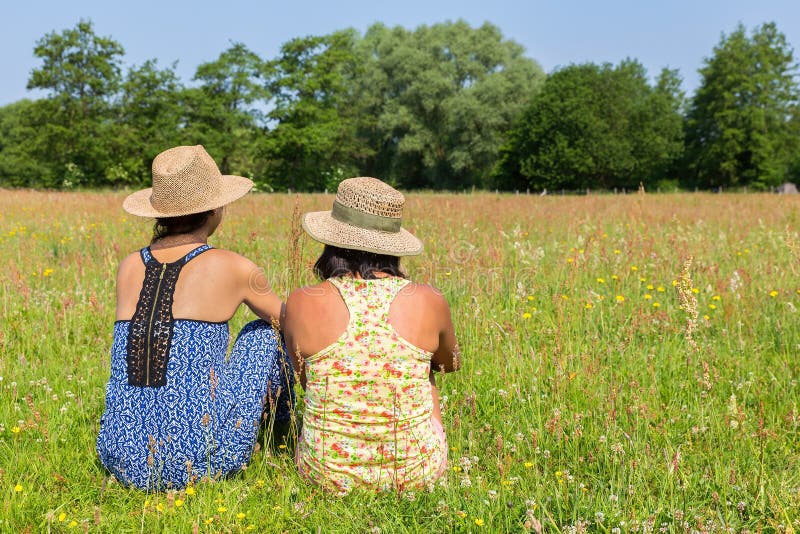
{"x": 642, "y": 279}
{"x": 209, "y": 521}
{"x": 650, "y": 287}
{"x": 221, "y": 509}
{"x": 674, "y": 283}
{"x": 601, "y": 281}
{"x": 620, "y": 299}
{"x": 526, "y": 315}
{"x": 241, "y": 515}
{"x": 634, "y": 268}
{"x": 712, "y": 306}
{"x": 773, "y": 293}
{"x": 716, "y": 297}
{"x": 528, "y": 465}
{"x": 695, "y": 290}
{"x": 259, "y": 483}
{"x": 190, "y": 490}
{"x": 570, "y": 260}
{"x": 564, "y": 297}
{"x": 617, "y": 251}
{"x": 530, "y": 298}
{"x": 47, "y": 272}
{"x": 448, "y": 273}
{"x": 656, "y": 305}
{"x": 462, "y": 514}
{"x": 588, "y": 306}
{"x": 73, "y": 524}
{"x": 479, "y": 522}
{"x": 15, "y": 430}
{"x": 178, "y": 503}
{"x": 614, "y": 277}
{"x": 160, "y": 507}
{"x": 62, "y": 517}
{"x": 706, "y": 317}
{"x": 648, "y": 296}
{"x": 18, "y": 488}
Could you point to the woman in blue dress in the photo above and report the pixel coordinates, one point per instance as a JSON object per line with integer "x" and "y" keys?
{"x": 177, "y": 409}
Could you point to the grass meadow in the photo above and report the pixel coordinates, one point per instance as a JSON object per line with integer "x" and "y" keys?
{"x": 630, "y": 364}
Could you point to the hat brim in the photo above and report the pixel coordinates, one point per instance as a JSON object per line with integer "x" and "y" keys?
{"x": 231, "y": 188}
{"x": 322, "y": 227}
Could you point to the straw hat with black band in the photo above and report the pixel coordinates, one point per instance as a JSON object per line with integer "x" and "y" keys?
{"x": 186, "y": 180}
{"x": 367, "y": 215}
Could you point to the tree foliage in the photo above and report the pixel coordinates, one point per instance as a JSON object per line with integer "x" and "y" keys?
{"x": 740, "y": 127}
{"x": 594, "y": 126}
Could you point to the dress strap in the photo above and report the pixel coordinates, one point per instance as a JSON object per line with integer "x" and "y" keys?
{"x": 369, "y": 300}
{"x": 146, "y": 255}
{"x": 194, "y": 253}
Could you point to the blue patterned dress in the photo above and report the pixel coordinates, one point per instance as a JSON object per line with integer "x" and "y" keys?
{"x": 187, "y": 412}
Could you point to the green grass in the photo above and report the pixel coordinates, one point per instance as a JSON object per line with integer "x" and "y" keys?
{"x": 581, "y": 404}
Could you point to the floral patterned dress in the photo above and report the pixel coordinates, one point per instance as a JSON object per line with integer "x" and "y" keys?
{"x": 368, "y": 417}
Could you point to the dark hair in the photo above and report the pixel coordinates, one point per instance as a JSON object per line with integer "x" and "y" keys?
{"x": 185, "y": 224}
{"x": 336, "y": 261}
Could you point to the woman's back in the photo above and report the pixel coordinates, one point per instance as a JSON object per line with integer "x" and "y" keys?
{"x": 369, "y": 409}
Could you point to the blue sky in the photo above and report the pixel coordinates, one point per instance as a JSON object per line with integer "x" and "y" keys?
{"x": 677, "y": 34}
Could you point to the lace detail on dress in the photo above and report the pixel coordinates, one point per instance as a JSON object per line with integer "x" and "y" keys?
{"x": 151, "y": 327}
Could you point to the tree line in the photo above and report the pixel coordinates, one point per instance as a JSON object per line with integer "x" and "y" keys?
{"x": 446, "y": 106}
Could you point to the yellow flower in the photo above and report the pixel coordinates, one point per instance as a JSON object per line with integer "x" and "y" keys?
{"x": 716, "y": 297}
{"x": 650, "y": 287}
{"x": 706, "y": 317}
{"x": 281, "y": 446}
{"x": 15, "y": 430}
{"x": 528, "y": 465}
{"x": 221, "y": 509}
{"x": 209, "y": 521}
{"x": 588, "y": 305}
{"x": 259, "y": 483}
{"x": 647, "y": 296}
{"x": 73, "y": 524}
{"x": 570, "y": 260}
{"x": 558, "y": 474}
{"x": 448, "y": 273}
{"x": 456, "y": 468}
{"x": 526, "y": 315}
{"x": 634, "y": 268}
{"x": 530, "y": 298}
{"x": 773, "y": 293}
{"x": 614, "y": 277}
{"x": 604, "y": 236}
{"x": 18, "y": 488}
{"x": 656, "y": 305}
{"x": 47, "y": 272}
{"x": 695, "y": 290}
{"x": 601, "y": 281}
{"x": 661, "y": 289}
{"x": 178, "y": 503}
{"x": 712, "y": 306}
{"x": 462, "y": 514}
{"x": 642, "y": 279}
{"x": 479, "y": 522}
{"x": 62, "y": 517}
{"x": 564, "y": 297}
{"x": 190, "y": 490}
{"x": 241, "y": 515}
{"x": 617, "y": 251}
{"x": 620, "y": 299}
{"x": 160, "y": 507}
{"x": 674, "y": 283}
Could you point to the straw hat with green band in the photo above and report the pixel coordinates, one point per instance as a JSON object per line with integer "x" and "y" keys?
{"x": 367, "y": 215}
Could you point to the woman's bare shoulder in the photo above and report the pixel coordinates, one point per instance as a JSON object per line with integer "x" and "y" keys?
{"x": 425, "y": 295}
{"x": 310, "y": 295}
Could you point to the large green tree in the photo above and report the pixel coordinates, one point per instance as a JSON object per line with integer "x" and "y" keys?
{"x": 316, "y": 112}
{"x": 595, "y": 126}
{"x": 440, "y": 98}
{"x": 80, "y": 72}
{"x": 225, "y": 112}
{"x": 150, "y": 117}
{"x": 739, "y": 129}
